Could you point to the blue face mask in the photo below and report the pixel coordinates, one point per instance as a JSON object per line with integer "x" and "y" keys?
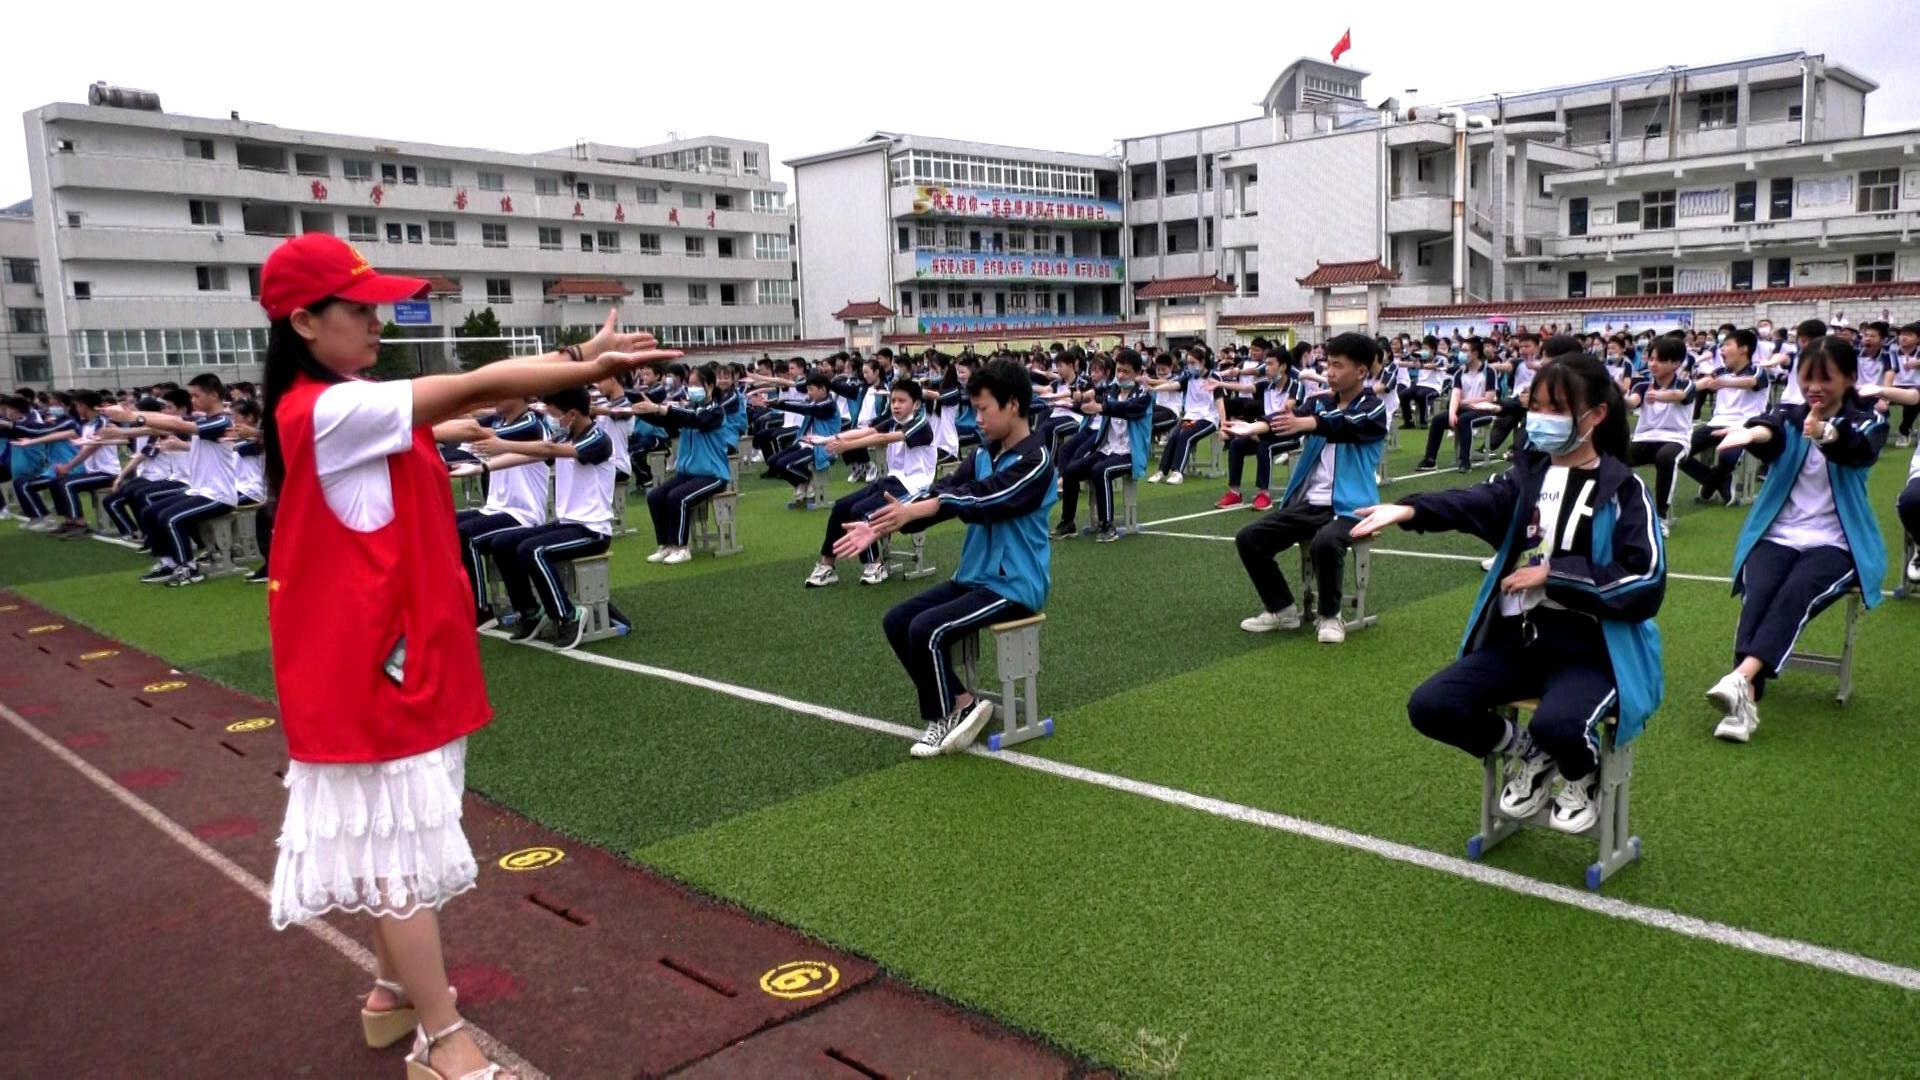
{"x": 1124, "y": 384}
{"x": 696, "y": 394}
{"x": 1552, "y": 433}
{"x": 1460, "y": 355}
{"x": 1424, "y": 354}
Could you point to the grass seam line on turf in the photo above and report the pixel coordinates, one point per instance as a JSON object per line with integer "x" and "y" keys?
{"x": 1754, "y": 941}
{"x": 355, "y": 952}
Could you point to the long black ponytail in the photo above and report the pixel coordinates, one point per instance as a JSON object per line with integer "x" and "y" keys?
{"x": 1579, "y": 382}
{"x": 288, "y": 357}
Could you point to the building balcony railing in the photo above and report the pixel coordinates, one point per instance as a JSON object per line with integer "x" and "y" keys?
{"x": 1892, "y": 226}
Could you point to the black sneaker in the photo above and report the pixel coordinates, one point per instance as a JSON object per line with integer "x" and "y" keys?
{"x": 1106, "y": 535}
{"x": 185, "y": 574}
{"x": 485, "y": 619}
{"x": 1066, "y": 530}
{"x": 157, "y": 575}
{"x": 526, "y": 626}
{"x": 572, "y": 629}
{"x": 72, "y": 532}
{"x": 258, "y": 577}
{"x": 1425, "y": 466}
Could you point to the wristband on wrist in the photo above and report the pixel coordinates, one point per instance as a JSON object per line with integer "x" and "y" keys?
{"x": 573, "y": 353}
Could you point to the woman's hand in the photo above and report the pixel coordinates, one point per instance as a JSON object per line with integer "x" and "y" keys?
{"x": 1376, "y": 519}
{"x": 611, "y": 340}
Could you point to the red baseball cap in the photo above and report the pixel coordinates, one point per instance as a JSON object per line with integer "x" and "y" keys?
{"x": 313, "y": 266}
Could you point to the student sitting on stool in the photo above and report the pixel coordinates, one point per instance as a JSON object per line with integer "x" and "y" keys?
{"x": 1565, "y": 614}
{"x": 516, "y": 498}
{"x": 212, "y": 478}
{"x": 1123, "y": 418}
{"x": 1277, "y": 391}
{"x": 1472, "y": 401}
{"x": 1003, "y": 494}
{"x": 584, "y": 482}
{"x": 704, "y": 426}
{"x": 1199, "y": 416}
{"x": 1811, "y": 536}
{"x": 820, "y": 421}
{"x": 907, "y": 436}
{"x": 1739, "y": 390}
{"x": 1664, "y": 400}
{"x": 1343, "y": 434}
{"x": 1909, "y": 505}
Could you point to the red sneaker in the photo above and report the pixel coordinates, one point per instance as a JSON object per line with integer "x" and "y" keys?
{"x": 1231, "y": 498}
{"x": 1262, "y": 502}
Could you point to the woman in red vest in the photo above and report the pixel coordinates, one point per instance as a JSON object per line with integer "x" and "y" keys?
{"x": 374, "y": 655}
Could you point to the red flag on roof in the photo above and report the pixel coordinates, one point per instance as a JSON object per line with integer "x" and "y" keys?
{"x": 1345, "y": 43}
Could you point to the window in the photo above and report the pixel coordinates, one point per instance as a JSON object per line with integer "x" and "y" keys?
{"x": 362, "y": 227}
{"x": 409, "y": 174}
{"x": 781, "y": 292}
{"x": 582, "y": 190}
{"x": 34, "y": 320}
{"x": 1656, "y": 280}
{"x": 64, "y": 146}
{"x": 1793, "y": 114}
{"x": 769, "y": 202}
{"x": 723, "y": 247}
{"x": 1746, "y": 198}
{"x": 646, "y": 195}
{"x": 211, "y": 278}
{"x": 1779, "y": 198}
{"x": 729, "y": 295}
{"x": 393, "y": 233}
{"x": 413, "y": 234}
{"x": 774, "y": 246}
{"x": 1626, "y": 285}
{"x": 253, "y": 282}
{"x": 1423, "y": 169}
{"x": 1577, "y": 217}
{"x": 499, "y": 290}
{"x": 200, "y": 149}
{"x": 906, "y": 238}
{"x": 549, "y": 237}
{"x": 750, "y": 162}
{"x": 692, "y": 199}
{"x": 696, "y": 247}
{"x": 28, "y": 370}
{"x": 1473, "y": 173}
{"x": 608, "y": 239}
{"x": 649, "y": 243}
{"x": 696, "y": 295}
{"x": 493, "y": 236}
{"x": 75, "y": 218}
{"x": 1871, "y": 269}
{"x": 440, "y": 232}
{"x": 356, "y": 169}
{"x": 603, "y": 189}
{"x": 83, "y": 290}
{"x": 389, "y": 173}
{"x": 1253, "y": 284}
{"x": 1657, "y": 210}
{"x": 1627, "y": 210}
{"x": 722, "y": 201}
{"x": 1779, "y": 273}
{"x": 929, "y": 301}
{"x": 311, "y": 165}
{"x": 653, "y": 293}
{"x": 493, "y": 181}
{"x": 203, "y": 211}
{"x": 23, "y": 271}
{"x": 1879, "y": 192}
{"x": 546, "y": 185}
{"x": 1742, "y": 277}
{"x": 586, "y": 241}
{"x": 439, "y": 176}
{"x": 1576, "y": 284}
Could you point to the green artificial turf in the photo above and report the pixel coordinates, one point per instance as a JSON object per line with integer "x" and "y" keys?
{"x": 1091, "y": 915}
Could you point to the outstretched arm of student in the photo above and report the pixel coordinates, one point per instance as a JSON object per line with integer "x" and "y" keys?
{"x": 1378, "y": 519}
{"x": 1856, "y": 446}
{"x": 1632, "y": 585}
{"x": 496, "y": 449}
{"x": 1482, "y": 510}
{"x": 607, "y": 353}
{"x": 1005, "y": 494}
{"x": 1761, "y": 436}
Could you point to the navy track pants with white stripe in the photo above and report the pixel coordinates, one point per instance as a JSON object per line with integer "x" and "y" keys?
{"x": 923, "y": 628}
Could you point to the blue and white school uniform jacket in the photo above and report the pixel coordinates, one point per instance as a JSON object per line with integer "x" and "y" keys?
{"x": 816, "y": 418}
{"x": 1850, "y": 457}
{"x": 1005, "y": 497}
{"x": 733, "y": 409}
{"x": 644, "y": 429}
{"x": 704, "y": 438}
{"x": 1621, "y": 585}
{"x": 1358, "y": 434}
{"x": 1136, "y": 409}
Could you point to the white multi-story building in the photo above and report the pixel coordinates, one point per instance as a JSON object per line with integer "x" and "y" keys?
{"x": 939, "y": 236}
{"x": 151, "y": 228}
{"x": 23, "y": 336}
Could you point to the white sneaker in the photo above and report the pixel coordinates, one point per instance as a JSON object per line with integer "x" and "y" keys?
{"x": 822, "y": 576}
{"x": 661, "y": 553}
{"x": 928, "y": 744}
{"x": 1332, "y": 631}
{"x": 1529, "y": 782}
{"x": 1913, "y": 570}
{"x": 1268, "y": 621}
{"x": 677, "y": 556}
{"x": 1155, "y": 477}
{"x": 1576, "y": 809}
{"x": 1176, "y": 478}
{"x": 1666, "y": 527}
{"x": 44, "y": 524}
{"x": 1731, "y": 695}
{"x": 756, "y": 459}
{"x": 966, "y": 726}
{"x": 874, "y": 574}
{"x": 1487, "y": 563}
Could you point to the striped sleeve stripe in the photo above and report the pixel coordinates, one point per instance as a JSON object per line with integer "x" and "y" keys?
{"x": 1632, "y": 582}
{"x": 1038, "y": 473}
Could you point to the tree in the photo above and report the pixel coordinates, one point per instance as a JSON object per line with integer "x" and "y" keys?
{"x": 480, "y": 324}
{"x": 396, "y": 360}
{"x": 573, "y": 335}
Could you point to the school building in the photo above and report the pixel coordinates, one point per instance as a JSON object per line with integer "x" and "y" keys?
{"x": 149, "y": 229}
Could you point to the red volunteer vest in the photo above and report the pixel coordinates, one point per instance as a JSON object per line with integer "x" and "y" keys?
{"x": 338, "y": 600}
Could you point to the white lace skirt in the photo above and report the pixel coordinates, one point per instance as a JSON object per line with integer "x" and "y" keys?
{"x": 380, "y": 839}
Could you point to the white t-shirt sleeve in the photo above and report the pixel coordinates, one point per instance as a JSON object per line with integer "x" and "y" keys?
{"x": 356, "y": 427}
{"x": 358, "y": 422}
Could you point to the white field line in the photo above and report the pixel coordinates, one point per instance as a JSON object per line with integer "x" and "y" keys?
{"x": 1419, "y": 554}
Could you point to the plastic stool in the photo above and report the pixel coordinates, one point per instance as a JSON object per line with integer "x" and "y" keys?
{"x": 1360, "y": 562}
{"x": 715, "y": 526}
{"x": 1617, "y": 846}
{"x": 588, "y": 581}
{"x": 1016, "y": 649}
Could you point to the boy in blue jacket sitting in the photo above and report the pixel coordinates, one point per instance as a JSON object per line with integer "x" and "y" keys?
{"x": 1004, "y": 493}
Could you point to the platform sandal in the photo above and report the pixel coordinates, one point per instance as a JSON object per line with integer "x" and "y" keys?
{"x": 384, "y": 1027}
{"x": 419, "y": 1063}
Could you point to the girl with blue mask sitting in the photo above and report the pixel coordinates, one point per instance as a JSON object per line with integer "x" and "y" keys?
{"x": 1565, "y": 614}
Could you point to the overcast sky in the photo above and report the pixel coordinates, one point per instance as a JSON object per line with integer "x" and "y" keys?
{"x": 806, "y": 78}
